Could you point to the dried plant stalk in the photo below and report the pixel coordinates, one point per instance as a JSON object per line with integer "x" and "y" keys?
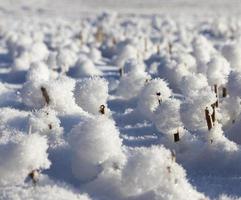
{"x": 50, "y": 126}
{"x": 176, "y": 136}
{"x": 216, "y": 92}
{"x": 45, "y": 95}
{"x": 208, "y": 119}
{"x": 173, "y": 155}
{"x": 114, "y": 42}
{"x": 158, "y": 94}
{"x": 224, "y": 92}
{"x": 99, "y": 36}
{"x": 121, "y": 71}
{"x": 158, "y": 49}
{"x": 214, "y": 113}
{"x": 33, "y": 175}
{"x": 102, "y": 109}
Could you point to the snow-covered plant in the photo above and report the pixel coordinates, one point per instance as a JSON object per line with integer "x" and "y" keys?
{"x": 45, "y": 122}
{"x": 38, "y": 72}
{"x": 232, "y": 53}
{"x": 234, "y": 84}
{"x": 133, "y": 65}
{"x": 202, "y": 51}
{"x": 66, "y": 59}
{"x": 52, "y": 60}
{"x": 218, "y": 71}
{"x": 31, "y": 95}
{"x": 38, "y": 52}
{"x": 191, "y": 84}
{"x": 152, "y": 173}
{"x": 230, "y": 110}
{"x": 193, "y": 109}
{"x": 152, "y": 95}
{"x": 91, "y": 93}
{"x": 217, "y": 139}
{"x": 168, "y": 125}
{"x": 123, "y": 54}
{"x": 61, "y": 94}
{"x": 58, "y": 94}
{"x": 94, "y": 142}
{"x": 20, "y": 154}
{"x": 86, "y": 67}
{"x": 176, "y": 67}
{"x": 131, "y": 84}
{"x": 29, "y": 52}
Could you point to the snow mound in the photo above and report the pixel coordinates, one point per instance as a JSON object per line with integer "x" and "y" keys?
{"x": 91, "y": 93}
{"x": 94, "y": 142}
{"x": 86, "y": 68}
{"x": 131, "y": 84}
{"x": 21, "y": 154}
{"x": 153, "y": 172}
{"x": 47, "y": 192}
{"x": 152, "y": 95}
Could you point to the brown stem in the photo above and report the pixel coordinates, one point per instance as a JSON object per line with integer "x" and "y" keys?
{"x": 176, "y": 136}
{"x": 45, "y": 95}
{"x": 216, "y": 92}
{"x": 214, "y": 113}
{"x": 208, "y": 119}
{"x": 99, "y": 36}
{"x": 224, "y": 92}
{"x": 173, "y": 155}
{"x": 158, "y": 94}
{"x": 121, "y": 72}
{"x": 50, "y": 126}
{"x": 114, "y": 41}
{"x": 158, "y": 49}
{"x": 102, "y": 109}
{"x": 34, "y": 176}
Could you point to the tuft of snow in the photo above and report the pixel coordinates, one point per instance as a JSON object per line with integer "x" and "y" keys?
{"x": 218, "y": 71}
{"x": 131, "y": 84}
{"x": 94, "y": 142}
{"x": 152, "y": 170}
{"x": 46, "y": 192}
{"x": 91, "y": 93}
{"x": 86, "y": 67}
{"x": 20, "y": 154}
{"x": 167, "y": 117}
{"x": 149, "y": 100}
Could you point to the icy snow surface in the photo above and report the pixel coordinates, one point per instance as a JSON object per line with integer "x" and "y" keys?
{"x": 120, "y": 99}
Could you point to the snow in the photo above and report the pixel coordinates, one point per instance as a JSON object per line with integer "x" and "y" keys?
{"x": 20, "y": 155}
{"x": 125, "y": 100}
{"x": 91, "y": 148}
{"x": 91, "y": 93}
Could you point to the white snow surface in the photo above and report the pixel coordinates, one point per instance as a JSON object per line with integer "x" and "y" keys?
{"x": 120, "y": 99}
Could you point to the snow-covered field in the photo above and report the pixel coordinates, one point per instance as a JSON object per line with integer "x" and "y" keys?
{"x": 140, "y": 102}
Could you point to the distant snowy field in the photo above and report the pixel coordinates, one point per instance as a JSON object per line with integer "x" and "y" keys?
{"x": 174, "y": 7}
{"x": 140, "y": 102}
